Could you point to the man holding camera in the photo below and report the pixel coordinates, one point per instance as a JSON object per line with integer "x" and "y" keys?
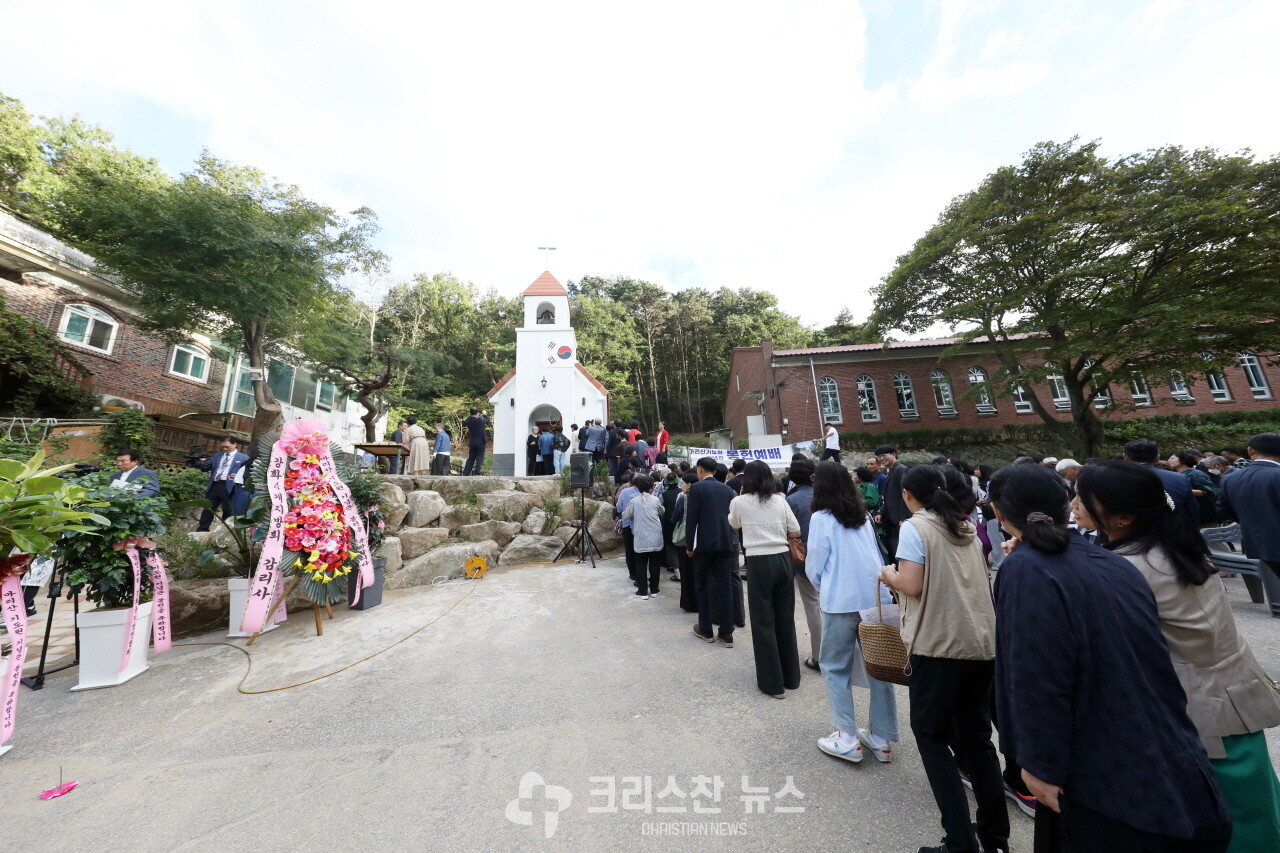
{"x": 226, "y": 482}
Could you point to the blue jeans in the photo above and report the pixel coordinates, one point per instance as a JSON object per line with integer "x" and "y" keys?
{"x": 839, "y": 636}
{"x": 559, "y": 460}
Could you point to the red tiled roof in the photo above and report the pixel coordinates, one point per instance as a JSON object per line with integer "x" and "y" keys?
{"x": 592, "y": 379}
{"x": 545, "y": 285}
{"x": 587, "y": 373}
{"x": 933, "y": 342}
{"x": 501, "y": 382}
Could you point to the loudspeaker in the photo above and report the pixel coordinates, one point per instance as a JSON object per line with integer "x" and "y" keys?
{"x": 580, "y": 470}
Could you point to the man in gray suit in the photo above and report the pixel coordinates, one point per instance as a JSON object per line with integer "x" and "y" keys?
{"x": 1252, "y": 496}
{"x": 133, "y": 476}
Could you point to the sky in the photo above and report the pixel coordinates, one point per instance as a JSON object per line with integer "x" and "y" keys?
{"x": 790, "y": 146}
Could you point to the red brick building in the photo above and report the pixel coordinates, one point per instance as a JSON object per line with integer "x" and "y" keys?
{"x": 202, "y": 380}
{"x": 920, "y": 384}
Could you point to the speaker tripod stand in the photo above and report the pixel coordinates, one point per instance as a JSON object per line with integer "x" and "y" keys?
{"x": 581, "y": 543}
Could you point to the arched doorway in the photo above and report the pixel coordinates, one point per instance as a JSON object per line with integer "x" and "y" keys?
{"x": 545, "y": 417}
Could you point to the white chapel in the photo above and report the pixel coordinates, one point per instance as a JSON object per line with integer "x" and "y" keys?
{"x": 548, "y": 385}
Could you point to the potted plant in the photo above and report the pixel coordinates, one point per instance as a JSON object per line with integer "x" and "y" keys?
{"x": 36, "y": 508}
{"x": 366, "y": 492}
{"x": 103, "y": 571}
{"x": 240, "y": 556}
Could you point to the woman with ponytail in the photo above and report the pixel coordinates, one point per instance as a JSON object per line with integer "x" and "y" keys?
{"x": 1229, "y": 698}
{"x": 1088, "y": 701}
{"x": 948, "y": 626}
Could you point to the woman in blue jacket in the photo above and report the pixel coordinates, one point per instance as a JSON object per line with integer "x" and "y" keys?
{"x": 1088, "y": 701}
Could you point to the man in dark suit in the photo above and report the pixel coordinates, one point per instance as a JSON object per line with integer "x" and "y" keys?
{"x": 893, "y": 509}
{"x": 133, "y": 476}
{"x": 226, "y": 483}
{"x": 1251, "y": 496}
{"x": 476, "y": 438}
{"x": 396, "y": 463}
{"x": 713, "y": 546}
{"x": 1144, "y": 451}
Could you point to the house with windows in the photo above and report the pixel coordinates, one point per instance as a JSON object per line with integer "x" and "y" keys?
{"x": 199, "y": 381}
{"x": 922, "y": 384}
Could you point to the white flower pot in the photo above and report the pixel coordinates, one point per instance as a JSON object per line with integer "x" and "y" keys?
{"x": 102, "y": 642}
{"x": 239, "y": 589}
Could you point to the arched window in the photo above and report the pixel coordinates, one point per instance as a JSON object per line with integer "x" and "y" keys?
{"x": 942, "y": 396}
{"x": 1253, "y": 373}
{"x": 978, "y": 376}
{"x": 1178, "y": 386}
{"x": 829, "y": 395}
{"x": 546, "y": 314}
{"x": 88, "y": 327}
{"x": 1058, "y": 389}
{"x": 906, "y": 394}
{"x": 1021, "y": 400}
{"x": 867, "y": 402}
{"x": 1102, "y": 399}
{"x": 1217, "y": 383}
{"x": 1140, "y": 390}
{"x": 190, "y": 362}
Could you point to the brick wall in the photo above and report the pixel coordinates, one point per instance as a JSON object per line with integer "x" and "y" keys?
{"x": 138, "y": 366}
{"x": 790, "y": 393}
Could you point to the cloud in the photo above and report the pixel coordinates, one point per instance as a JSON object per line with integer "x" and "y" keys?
{"x": 694, "y": 144}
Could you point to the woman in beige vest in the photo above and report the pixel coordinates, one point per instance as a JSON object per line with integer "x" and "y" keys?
{"x": 419, "y": 449}
{"x": 949, "y": 627}
{"x": 1229, "y": 697}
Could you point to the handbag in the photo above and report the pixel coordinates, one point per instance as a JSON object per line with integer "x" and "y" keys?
{"x": 677, "y": 532}
{"x": 795, "y": 545}
{"x": 883, "y": 651}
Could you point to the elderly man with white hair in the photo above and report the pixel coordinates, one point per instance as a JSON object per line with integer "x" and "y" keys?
{"x": 1068, "y": 468}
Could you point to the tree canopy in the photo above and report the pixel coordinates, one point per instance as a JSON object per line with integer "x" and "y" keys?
{"x": 1088, "y": 272}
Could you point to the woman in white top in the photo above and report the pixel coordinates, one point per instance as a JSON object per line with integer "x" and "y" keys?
{"x": 767, "y": 522}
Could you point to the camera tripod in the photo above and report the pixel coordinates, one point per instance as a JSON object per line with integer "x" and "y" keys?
{"x": 586, "y": 547}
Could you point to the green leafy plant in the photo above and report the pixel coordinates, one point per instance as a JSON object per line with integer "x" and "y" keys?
{"x": 37, "y": 507}
{"x": 129, "y": 429}
{"x": 553, "y": 506}
{"x": 246, "y": 532}
{"x": 366, "y": 491}
{"x": 181, "y": 552}
{"x": 36, "y": 372}
{"x": 183, "y": 488}
{"x": 103, "y": 572}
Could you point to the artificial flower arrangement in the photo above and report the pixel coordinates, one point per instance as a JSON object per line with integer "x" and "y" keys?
{"x": 316, "y": 533}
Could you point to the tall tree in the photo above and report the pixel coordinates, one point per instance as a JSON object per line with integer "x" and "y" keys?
{"x": 1079, "y": 272}
{"x": 221, "y": 249}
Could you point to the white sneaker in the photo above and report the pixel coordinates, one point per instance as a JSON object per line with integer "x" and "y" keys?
{"x": 642, "y": 596}
{"x": 655, "y": 594}
{"x": 879, "y": 746}
{"x": 834, "y": 745}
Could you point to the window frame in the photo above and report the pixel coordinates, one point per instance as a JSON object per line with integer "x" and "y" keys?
{"x": 940, "y": 381}
{"x": 1057, "y": 389}
{"x": 829, "y": 388}
{"x": 984, "y": 401}
{"x": 193, "y": 351}
{"x": 321, "y": 385}
{"x": 1140, "y": 391}
{"x": 867, "y": 392}
{"x": 92, "y": 314}
{"x": 1178, "y": 387}
{"x": 1022, "y": 399}
{"x": 1261, "y": 389}
{"x": 904, "y": 392}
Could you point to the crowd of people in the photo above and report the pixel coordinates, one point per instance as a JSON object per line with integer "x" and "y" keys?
{"x": 1131, "y": 712}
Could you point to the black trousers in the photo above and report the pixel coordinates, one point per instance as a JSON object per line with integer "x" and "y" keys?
{"x": 951, "y": 709}
{"x": 891, "y": 538}
{"x": 1081, "y": 830}
{"x": 475, "y": 460}
{"x": 629, "y": 548}
{"x": 648, "y": 571}
{"x": 771, "y": 594}
{"x": 711, "y": 584}
{"x": 219, "y": 498}
{"x": 830, "y": 454}
{"x": 1271, "y": 583}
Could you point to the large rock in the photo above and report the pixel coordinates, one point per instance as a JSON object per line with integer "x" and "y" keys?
{"x": 403, "y": 481}
{"x": 458, "y": 516}
{"x": 534, "y": 522}
{"x": 569, "y": 508}
{"x": 501, "y": 532}
{"x": 564, "y": 534}
{"x": 530, "y": 549}
{"x": 547, "y": 487}
{"x": 601, "y": 529}
{"x": 186, "y": 521}
{"x": 446, "y": 561}
{"x": 396, "y": 514}
{"x": 391, "y": 493}
{"x": 507, "y": 505}
{"x": 424, "y": 508}
{"x": 416, "y": 541}
{"x": 453, "y": 489}
{"x": 392, "y": 550}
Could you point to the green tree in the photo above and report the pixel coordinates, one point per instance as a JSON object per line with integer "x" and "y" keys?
{"x": 36, "y": 372}
{"x": 222, "y": 249}
{"x": 1087, "y": 272}
{"x": 845, "y": 331}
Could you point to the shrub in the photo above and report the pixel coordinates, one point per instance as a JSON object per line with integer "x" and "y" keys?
{"x": 95, "y": 564}
{"x": 128, "y": 429}
{"x": 181, "y": 552}
{"x": 33, "y": 380}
